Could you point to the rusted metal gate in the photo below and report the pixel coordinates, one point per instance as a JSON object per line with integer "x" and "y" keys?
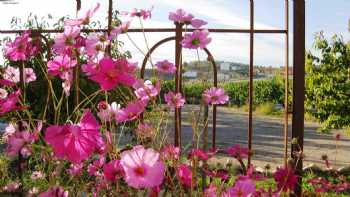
{"x": 297, "y": 111}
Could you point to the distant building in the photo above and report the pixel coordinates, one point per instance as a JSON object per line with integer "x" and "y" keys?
{"x": 225, "y": 66}
{"x": 190, "y": 74}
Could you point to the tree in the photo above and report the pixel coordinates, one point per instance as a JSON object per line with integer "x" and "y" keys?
{"x": 328, "y": 82}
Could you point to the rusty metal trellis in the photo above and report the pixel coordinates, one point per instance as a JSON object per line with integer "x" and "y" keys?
{"x": 298, "y": 71}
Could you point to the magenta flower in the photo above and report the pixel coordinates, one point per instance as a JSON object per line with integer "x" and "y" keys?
{"x": 215, "y": 96}
{"x": 95, "y": 168}
{"x": 170, "y": 152}
{"x": 110, "y": 73}
{"x": 145, "y": 14}
{"x": 174, "y": 100}
{"x": 21, "y": 48}
{"x": 210, "y": 191}
{"x": 75, "y": 142}
{"x": 242, "y": 188}
{"x": 19, "y": 142}
{"x": 142, "y": 167}
{"x": 180, "y": 16}
{"x": 108, "y": 112}
{"x": 54, "y": 192}
{"x": 198, "y": 23}
{"x": 65, "y": 41}
{"x": 75, "y": 169}
{"x": 165, "y": 67}
{"x": 146, "y": 90}
{"x": 113, "y": 170}
{"x": 200, "y": 154}
{"x": 237, "y": 151}
{"x": 61, "y": 65}
{"x": 12, "y": 74}
{"x": 184, "y": 174}
{"x": 10, "y": 103}
{"x": 196, "y": 39}
{"x": 144, "y": 130}
{"x": 131, "y": 112}
{"x": 285, "y": 178}
{"x": 219, "y": 173}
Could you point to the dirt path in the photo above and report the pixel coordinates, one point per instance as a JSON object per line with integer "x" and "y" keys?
{"x": 268, "y": 139}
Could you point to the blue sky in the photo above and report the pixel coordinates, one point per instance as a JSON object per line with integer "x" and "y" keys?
{"x": 330, "y": 16}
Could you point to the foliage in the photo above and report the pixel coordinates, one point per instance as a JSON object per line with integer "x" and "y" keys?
{"x": 328, "y": 82}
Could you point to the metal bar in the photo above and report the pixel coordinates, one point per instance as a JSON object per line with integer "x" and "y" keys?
{"x": 76, "y": 71}
{"x": 251, "y": 73}
{"x": 298, "y": 88}
{"x": 178, "y": 83}
{"x": 160, "y": 30}
{"x": 286, "y": 83}
{"x": 109, "y": 28}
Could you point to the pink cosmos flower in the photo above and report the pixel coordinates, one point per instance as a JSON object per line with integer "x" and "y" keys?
{"x": 131, "y": 112}
{"x": 146, "y": 90}
{"x": 110, "y": 73}
{"x": 21, "y": 48}
{"x": 144, "y": 130}
{"x": 237, "y": 151}
{"x": 180, "y": 16}
{"x": 10, "y": 129}
{"x": 12, "y": 74}
{"x": 285, "y": 178}
{"x": 96, "y": 44}
{"x": 75, "y": 142}
{"x": 108, "y": 112}
{"x": 122, "y": 28}
{"x": 198, "y": 23}
{"x": 10, "y": 103}
{"x": 142, "y": 167}
{"x": 65, "y": 41}
{"x": 174, "y": 100}
{"x": 113, "y": 170}
{"x": 215, "y": 96}
{"x": 95, "y": 168}
{"x": 55, "y": 191}
{"x": 3, "y": 93}
{"x": 170, "y": 152}
{"x": 19, "y": 142}
{"x": 196, "y": 39}
{"x": 145, "y": 14}
{"x": 83, "y": 17}
{"x": 36, "y": 175}
{"x": 184, "y": 174}
{"x": 67, "y": 81}
{"x": 210, "y": 191}
{"x": 165, "y": 67}
{"x": 200, "y": 154}
{"x": 242, "y": 188}
{"x": 60, "y": 65}
{"x": 11, "y": 187}
{"x": 75, "y": 169}
{"x": 218, "y": 173}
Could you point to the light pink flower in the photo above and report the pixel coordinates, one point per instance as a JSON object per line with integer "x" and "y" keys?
{"x": 196, "y": 39}
{"x": 131, "y": 112}
{"x": 75, "y": 169}
{"x": 65, "y": 41}
{"x": 113, "y": 170}
{"x": 198, "y": 23}
{"x": 83, "y": 17}
{"x": 180, "y": 16}
{"x": 110, "y": 73}
{"x": 184, "y": 174}
{"x": 75, "y": 142}
{"x": 60, "y": 65}
{"x": 215, "y": 96}
{"x": 11, "y": 187}
{"x": 36, "y": 175}
{"x": 55, "y": 191}
{"x": 174, "y": 100}
{"x": 122, "y": 28}
{"x": 67, "y": 82}
{"x": 237, "y": 151}
{"x": 96, "y": 44}
{"x": 145, "y": 14}
{"x": 170, "y": 152}
{"x": 146, "y": 90}
{"x": 10, "y": 129}
{"x": 3, "y": 93}
{"x": 242, "y": 188}
{"x": 144, "y": 130}
{"x": 108, "y": 112}
{"x": 285, "y": 178}
{"x": 142, "y": 167}
{"x": 12, "y": 74}
{"x": 19, "y": 142}
{"x": 10, "y": 103}
{"x": 165, "y": 67}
